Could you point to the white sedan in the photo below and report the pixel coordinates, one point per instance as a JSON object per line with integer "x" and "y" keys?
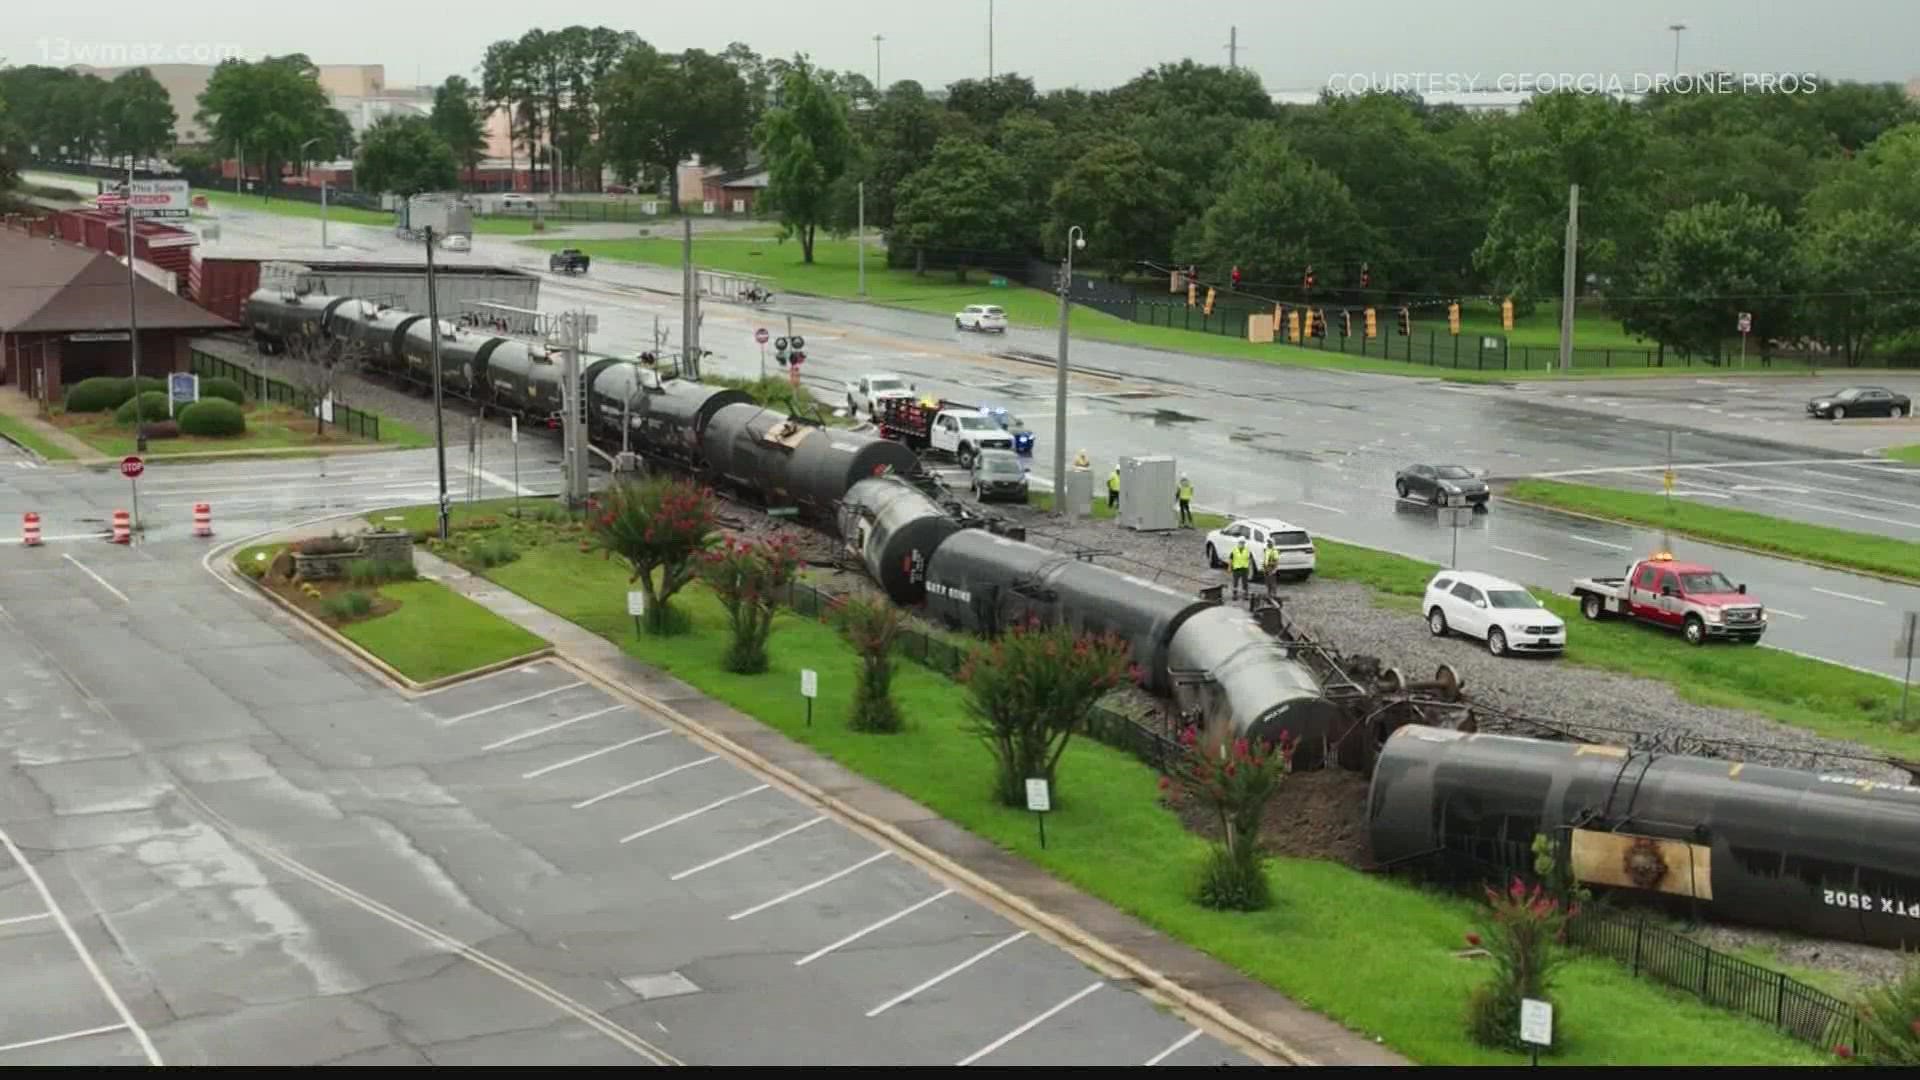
{"x": 981, "y": 317}
{"x": 1503, "y": 614}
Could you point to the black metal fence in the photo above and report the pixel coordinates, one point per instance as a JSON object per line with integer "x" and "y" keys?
{"x": 260, "y": 388}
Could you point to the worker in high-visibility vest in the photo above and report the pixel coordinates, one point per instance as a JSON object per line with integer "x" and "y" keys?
{"x": 1113, "y": 489}
{"x": 1185, "y": 496}
{"x": 1270, "y": 569}
{"x": 1241, "y": 562}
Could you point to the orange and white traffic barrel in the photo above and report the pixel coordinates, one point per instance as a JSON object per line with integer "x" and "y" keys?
{"x": 202, "y": 519}
{"x": 30, "y": 529}
{"x": 122, "y": 527}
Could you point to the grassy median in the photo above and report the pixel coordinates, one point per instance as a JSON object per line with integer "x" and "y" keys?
{"x": 1374, "y": 953}
{"x": 1740, "y": 528}
{"x": 24, "y": 433}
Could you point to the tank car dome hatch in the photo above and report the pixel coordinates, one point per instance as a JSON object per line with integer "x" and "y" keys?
{"x": 1226, "y": 666}
{"x": 1816, "y": 853}
{"x": 753, "y": 448}
{"x": 825, "y": 466}
{"x": 895, "y": 529}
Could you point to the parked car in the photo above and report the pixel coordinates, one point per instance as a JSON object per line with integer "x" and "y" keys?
{"x": 1435, "y": 483}
{"x": 981, "y": 317}
{"x": 999, "y": 474}
{"x": 1504, "y": 615}
{"x": 569, "y": 261}
{"x": 456, "y": 242}
{"x": 1859, "y": 401}
{"x": 1293, "y": 542}
{"x": 518, "y": 202}
{"x": 864, "y": 392}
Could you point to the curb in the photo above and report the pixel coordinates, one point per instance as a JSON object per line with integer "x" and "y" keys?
{"x": 1890, "y": 579}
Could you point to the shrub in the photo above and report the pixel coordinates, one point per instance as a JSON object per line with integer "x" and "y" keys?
{"x": 213, "y": 416}
{"x": 375, "y": 571}
{"x": 488, "y": 552}
{"x": 1890, "y": 1021}
{"x": 747, "y": 577}
{"x": 152, "y": 404}
{"x": 1235, "y": 780}
{"x": 96, "y": 395}
{"x": 347, "y": 605}
{"x": 871, "y": 626}
{"x": 655, "y": 524}
{"x": 213, "y": 386}
{"x": 1523, "y": 940}
{"x": 1029, "y": 690}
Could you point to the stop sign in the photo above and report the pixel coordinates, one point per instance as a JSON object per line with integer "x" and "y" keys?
{"x": 131, "y": 466}
{"x": 760, "y": 335}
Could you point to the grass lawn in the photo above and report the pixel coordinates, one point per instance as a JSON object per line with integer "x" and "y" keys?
{"x": 354, "y": 215}
{"x": 1818, "y": 543}
{"x": 24, "y": 434}
{"x": 1372, "y": 952}
{"x": 1903, "y": 453}
{"x": 269, "y": 427}
{"x": 1822, "y": 698}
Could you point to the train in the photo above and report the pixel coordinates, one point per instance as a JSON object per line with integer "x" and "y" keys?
{"x": 1770, "y": 846}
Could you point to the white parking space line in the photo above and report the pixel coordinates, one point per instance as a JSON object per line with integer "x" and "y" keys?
{"x": 644, "y": 780}
{"x": 511, "y": 739}
{"x": 510, "y": 704}
{"x": 1322, "y": 506}
{"x": 591, "y": 754}
{"x": 55, "y": 539}
{"x": 858, "y": 934}
{"x": 805, "y": 889}
{"x": 104, "y": 583}
{"x": 950, "y": 973}
{"x": 749, "y": 849}
{"x": 62, "y": 1038}
{"x": 1602, "y": 543}
{"x": 536, "y": 668}
{"x": 1171, "y": 1050}
{"x": 1784, "y": 611}
{"x": 1026, "y": 1027}
{"x": 691, "y": 814}
{"x": 1515, "y": 551}
{"x": 1850, "y": 596}
{"x": 18, "y": 919}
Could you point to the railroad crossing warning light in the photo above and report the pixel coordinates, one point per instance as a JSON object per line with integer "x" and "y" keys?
{"x": 780, "y": 350}
{"x": 1208, "y": 309}
{"x": 1506, "y": 313}
{"x": 1406, "y": 321}
{"x": 1453, "y": 318}
{"x": 1373, "y": 326}
{"x": 1293, "y": 327}
{"x": 1193, "y": 291}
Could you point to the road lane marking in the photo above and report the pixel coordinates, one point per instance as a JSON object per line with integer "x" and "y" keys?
{"x": 1850, "y": 596}
{"x": 591, "y": 754}
{"x": 1026, "y": 1027}
{"x": 804, "y": 889}
{"x": 501, "y": 482}
{"x": 949, "y": 973}
{"x": 511, "y": 739}
{"x": 1708, "y": 465}
{"x": 1784, "y": 611}
{"x": 1322, "y": 506}
{"x": 749, "y": 849}
{"x": 858, "y": 934}
{"x": 63, "y": 1038}
{"x": 86, "y": 958}
{"x": 1512, "y": 551}
{"x": 1602, "y": 543}
{"x": 18, "y": 919}
{"x": 1169, "y": 1051}
{"x": 53, "y": 539}
{"x": 646, "y": 780}
{"x": 103, "y": 581}
{"x": 691, "y": 814}
{"x": 510, "y": 704}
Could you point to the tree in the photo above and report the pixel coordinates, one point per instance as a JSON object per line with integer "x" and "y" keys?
{"x": 1122, "y": 200}
{"x": 405, "y": 155}
{"x": 747, "y": 577}
{"x": 458, "y": 121}
{"x": 958, "y": 202}
{"x": 1522, "y": 939}
{"x": 1709, "y": 263}
{"x": 1029, "y": 691}
{"x": 986, "y": 102}
{"x": 896, "y": 138}
{"x": 268, "y": 109}
{"x": 137, "y": 116}
{"x": 1234, "y": 779}
{"x": 11, "y": 139}
{"x": 317, "y": 364}
{"x": 872, "y": 625}
{"x": 658, "y": 526}
{"x": 661, "y": 108}
{"x": 808, "y": 148}
{"x": 1857, "y": 267}
{"x": 1276, "y": 214}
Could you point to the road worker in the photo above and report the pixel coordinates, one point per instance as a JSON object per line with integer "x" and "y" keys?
{"x": 1113, "y": 489}
{"x": 1185, "y": 496}
{"x": 1270, "y": 569}
{"x": 1241, "y": 561}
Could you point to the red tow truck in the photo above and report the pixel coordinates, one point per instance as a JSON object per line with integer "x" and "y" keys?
{"x": 1693, "y": 598}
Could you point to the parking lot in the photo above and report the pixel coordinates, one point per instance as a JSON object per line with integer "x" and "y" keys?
{"x": 819, "y": 944}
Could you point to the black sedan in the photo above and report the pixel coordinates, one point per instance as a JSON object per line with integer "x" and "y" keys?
{"x": 998, "y": 474}
{"x": 1859, "y": 401}
{"x": 1440, "y": 484}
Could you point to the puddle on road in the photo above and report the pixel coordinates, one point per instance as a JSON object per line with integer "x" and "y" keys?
{"x": 1166, "y": 417}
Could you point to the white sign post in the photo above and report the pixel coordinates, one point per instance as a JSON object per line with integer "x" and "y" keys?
{"x": 636, "y": 607}
{"x": 1536, "y": 1025}
{"x": 1040, "y": 801}
{"x": 1456, "y": 516}
{"x": 514, "y": 422}
{"x": 1746, "y": 324}
{"x": 809, "y": 689}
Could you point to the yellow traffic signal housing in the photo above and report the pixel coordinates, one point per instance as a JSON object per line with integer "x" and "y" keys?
{"x": 1192, "y": 291}
{"x": 1453, "y": 318}
{"x": 1293, "y": 327}
{"x": 1373, "y": 329}
{"x": 1208, "y": 310}
{"x": 1506, "y": 313}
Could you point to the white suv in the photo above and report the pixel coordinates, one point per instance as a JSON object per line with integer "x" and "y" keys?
{"x": 1295, "y": 547}
{"x": 1498, "y": 611}
{"x": 981, "y": 317}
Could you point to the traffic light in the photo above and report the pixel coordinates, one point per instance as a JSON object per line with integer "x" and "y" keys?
{"x": 1236, "y": 277}
{"x": 1506, "y": 314}
{"x": 1346, "y": 323}
{"x": 1366, "y": 276}
{"x": 1373, "y": 328}
{"x": 1453, "y": 318}
{"x": 1406, "y": 321}
{"x": 1319, "y": 323}
{"x": 780, "y": 350}
{"x": 1293, "y": 327}
{"x": 1208, "y": 309}
{"x": 1192, "y": 289}
{"x": 1309, "y": 277}
{"x": 796, "y": 357}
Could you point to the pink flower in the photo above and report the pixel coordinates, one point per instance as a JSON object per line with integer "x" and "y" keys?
{"x": 1842, "y": 1050}
{"x": 1474, "y": 940}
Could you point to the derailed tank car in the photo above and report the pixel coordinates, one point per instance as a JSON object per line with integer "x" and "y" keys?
{"x": 667, "y": 417}
{"x": 894, "y": 529}
{"x": 1229, "y": 668}
{"x": 277, "y": 315}
{"x": 1822, "y": 854}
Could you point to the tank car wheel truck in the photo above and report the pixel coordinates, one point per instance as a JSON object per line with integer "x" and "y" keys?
{"x": 1694, "y": 599}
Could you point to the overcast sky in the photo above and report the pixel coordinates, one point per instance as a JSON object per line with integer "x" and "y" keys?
{"x": 1293, "y": 46}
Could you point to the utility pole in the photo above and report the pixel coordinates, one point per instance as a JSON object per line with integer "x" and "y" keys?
{"x": 689, "y": 332}
{"x": 989, "y": 43}
{"x": 1566, "y": 284}
{"x": 574, "y": 328}
{"x": 1233, "y": 48}
{"x": 863, "y": 237}
{"x": 877, "y": 84}
{"x": 439, "y": 426}
{"x": 1676, "y": 28}
{"x": 1060, "y": 381}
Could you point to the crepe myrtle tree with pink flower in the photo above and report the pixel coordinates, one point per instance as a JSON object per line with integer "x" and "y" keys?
{"x": 659, "y": 527}
{"x": 1234, "y": 778}
{"x": 747, "y": 576}
{"x": 1525, "y": 939}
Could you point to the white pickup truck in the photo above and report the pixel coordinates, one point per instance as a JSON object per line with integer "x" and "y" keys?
{"x": 863, "y": 393}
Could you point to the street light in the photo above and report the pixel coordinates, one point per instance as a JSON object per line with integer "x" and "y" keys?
{"x": 1676, "y": 28}
{"x": 1076, "y": 237}
{"x": 323, "y": 191}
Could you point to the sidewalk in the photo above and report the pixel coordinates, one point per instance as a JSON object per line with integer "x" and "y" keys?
{"x": 1249, "y": 1008}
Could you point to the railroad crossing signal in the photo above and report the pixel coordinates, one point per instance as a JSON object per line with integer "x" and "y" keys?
{"x": 1406, "y": 322}
{"x": 1453, "y": 318}
{"x": 1506, "y": 313}
{"x": 780, "y": 350}
{"x": 1373, "y": 327}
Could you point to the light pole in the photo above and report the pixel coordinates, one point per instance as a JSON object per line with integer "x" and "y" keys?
{"x": 1076, "y": 237}
{"x": 877, "y": 85}
{"x": 1676, "y": 28}
{"x": 323, "y": 191}
{"x": 553, "y": 181}
{"x": 133, "y": 324}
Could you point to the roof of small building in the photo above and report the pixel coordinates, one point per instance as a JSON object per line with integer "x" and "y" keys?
{"x": 50, "y": 285}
